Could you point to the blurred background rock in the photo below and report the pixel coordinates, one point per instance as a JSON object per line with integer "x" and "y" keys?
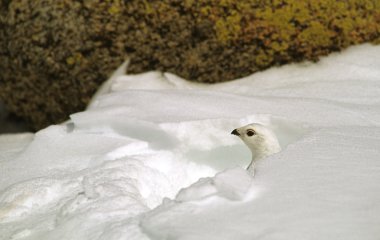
{"x": 55, "y": 54}
{"x": 9, "y": 123}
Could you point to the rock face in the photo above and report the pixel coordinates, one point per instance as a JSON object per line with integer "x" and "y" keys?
{"x": 54, "y": 54}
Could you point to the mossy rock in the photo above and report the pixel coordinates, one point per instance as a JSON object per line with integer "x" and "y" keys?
{"x": 55, "y": 54}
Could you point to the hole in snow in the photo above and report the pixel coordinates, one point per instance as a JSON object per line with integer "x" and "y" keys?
{"x": 221, "y": 158}
{"x": 234, "y": 153}
{"x": 207, "y": 147}
{"x": 288, "y": 132}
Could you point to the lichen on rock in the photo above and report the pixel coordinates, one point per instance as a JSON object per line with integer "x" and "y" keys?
{"x": 54, "y": 54}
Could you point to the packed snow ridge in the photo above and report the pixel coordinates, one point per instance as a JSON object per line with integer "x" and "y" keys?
{"x": 153, "y": 158}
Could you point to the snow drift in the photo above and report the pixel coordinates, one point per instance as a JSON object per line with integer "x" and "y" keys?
{"x": 152, "y": 158}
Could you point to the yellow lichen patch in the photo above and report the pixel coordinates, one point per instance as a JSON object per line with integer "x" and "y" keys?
{"x": 228, "y": 28}
{"x": 76, "y": 58}
{"x": 114, "y": 9}
{"x": 147, "y": 7}
{"x": 114, "y": 6}
{"x": 263, "y": 59}
{"x": 315, "y": 35}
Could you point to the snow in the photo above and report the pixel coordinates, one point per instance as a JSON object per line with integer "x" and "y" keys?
{"x": 231, "y": 184}
{"x": 153, "y": 158}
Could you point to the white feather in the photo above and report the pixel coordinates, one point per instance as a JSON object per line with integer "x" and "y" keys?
{"x": 262, "y": 144}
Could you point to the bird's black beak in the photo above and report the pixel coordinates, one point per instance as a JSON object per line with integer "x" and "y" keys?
{"x": 235, "y": 132}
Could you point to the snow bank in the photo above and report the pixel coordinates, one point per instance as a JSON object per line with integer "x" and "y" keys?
{"x": 152, "y": 158}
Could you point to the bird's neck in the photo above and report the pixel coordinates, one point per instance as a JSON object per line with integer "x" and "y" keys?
{"x": 260, "y": 155}
{"x": 255, "y": 157}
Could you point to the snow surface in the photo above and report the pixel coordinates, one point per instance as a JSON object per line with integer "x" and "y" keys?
{"x": 152, "y": 158}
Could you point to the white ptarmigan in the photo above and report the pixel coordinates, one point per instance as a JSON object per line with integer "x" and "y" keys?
{"x": 260, "y": 140}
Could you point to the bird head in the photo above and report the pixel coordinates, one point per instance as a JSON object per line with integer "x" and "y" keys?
{"x": 260, "y": 140}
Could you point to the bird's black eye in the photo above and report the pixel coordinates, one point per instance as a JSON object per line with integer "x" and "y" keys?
{"x": 250, "y": 133}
